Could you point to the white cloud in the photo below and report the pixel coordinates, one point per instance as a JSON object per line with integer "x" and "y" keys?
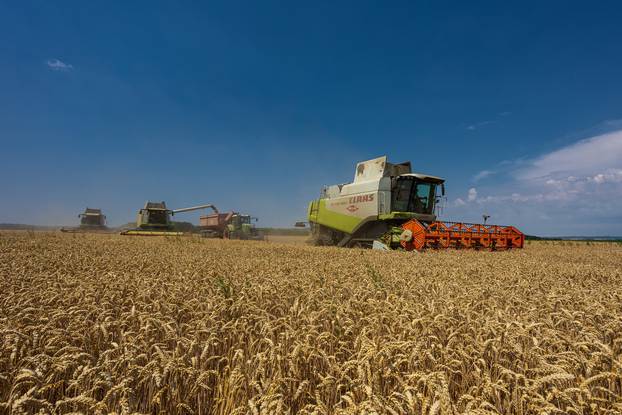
{"x": 610, "y": 176}
{"x": 477, "y": 125}
{"x": 591, "y": 156}
{"x": 58, "y": 65}
{"x": 472, "y": 195}
{"x": 576, "y": 189}
{"x": 482, "y": 175}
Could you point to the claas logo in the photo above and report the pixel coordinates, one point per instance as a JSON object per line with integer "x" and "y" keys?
{"x": 361, "y": 199}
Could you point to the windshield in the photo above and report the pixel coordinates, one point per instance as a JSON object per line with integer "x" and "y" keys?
{"x": 158, "y": 216}
{"x": 91, "y": 220}
{"x": 241, "y": 219}
{"x": 410, "y": 195}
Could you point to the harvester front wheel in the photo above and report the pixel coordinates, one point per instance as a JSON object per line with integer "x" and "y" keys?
{"x": 321, "y": 235}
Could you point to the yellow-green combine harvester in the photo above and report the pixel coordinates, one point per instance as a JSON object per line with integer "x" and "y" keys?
{"x": 388, "y": 206}
{"x": 154, "y": 219}
{"x": 91, "y": 220}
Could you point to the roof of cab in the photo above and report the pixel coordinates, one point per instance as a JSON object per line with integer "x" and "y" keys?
{"x": 426, "y": 177}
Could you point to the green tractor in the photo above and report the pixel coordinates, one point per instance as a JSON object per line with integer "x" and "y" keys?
{"x": 242, "y": 227}
{"x": 229, "y": 225}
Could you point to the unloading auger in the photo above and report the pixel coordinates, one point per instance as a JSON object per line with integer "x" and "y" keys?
{"x": 387, "y": 206}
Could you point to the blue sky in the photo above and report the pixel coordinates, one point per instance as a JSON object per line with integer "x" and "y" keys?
{"x": 253, "y": 106}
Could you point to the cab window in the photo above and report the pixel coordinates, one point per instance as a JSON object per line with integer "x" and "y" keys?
{"x": 410, "y": 195}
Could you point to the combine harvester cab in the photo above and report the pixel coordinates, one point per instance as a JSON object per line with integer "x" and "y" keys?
{"x": 387, "y": 206}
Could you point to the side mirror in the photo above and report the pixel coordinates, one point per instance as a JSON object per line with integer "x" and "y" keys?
{"x": 443, "y": 189}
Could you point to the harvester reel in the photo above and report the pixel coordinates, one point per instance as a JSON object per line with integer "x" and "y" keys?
{"x": 415, "y": 231}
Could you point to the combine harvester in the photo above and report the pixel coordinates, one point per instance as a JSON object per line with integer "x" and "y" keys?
{"x": 91, "y": 220}
{"x": 387, "y": 206}
{"x": 155, "y": 220}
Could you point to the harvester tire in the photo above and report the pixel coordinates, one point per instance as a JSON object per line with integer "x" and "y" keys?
{"x": 321, "y": 236}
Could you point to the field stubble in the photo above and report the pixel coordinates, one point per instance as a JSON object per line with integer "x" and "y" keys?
{"x": 100, "y": 323}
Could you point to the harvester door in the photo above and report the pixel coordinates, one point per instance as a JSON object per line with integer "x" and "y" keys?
{"x": 423, "y": 200}
{"x": 401, "y": 195}
{"x": 382, "y": 203}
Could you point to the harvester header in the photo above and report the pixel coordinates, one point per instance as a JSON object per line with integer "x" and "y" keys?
{"x": 389, "y": 206}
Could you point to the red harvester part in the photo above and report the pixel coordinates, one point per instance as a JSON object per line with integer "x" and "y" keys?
{"x": 441, "y": 235}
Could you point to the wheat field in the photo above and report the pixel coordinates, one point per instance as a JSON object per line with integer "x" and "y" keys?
{"x": 109, "y": 324}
